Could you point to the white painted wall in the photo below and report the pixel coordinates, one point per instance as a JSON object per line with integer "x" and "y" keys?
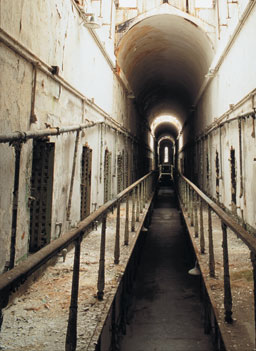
{"x": 234, "y": 80}
{"x": 52, "y": 31}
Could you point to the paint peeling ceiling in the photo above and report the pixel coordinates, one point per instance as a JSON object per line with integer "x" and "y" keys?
{"x": 165, "y": 58}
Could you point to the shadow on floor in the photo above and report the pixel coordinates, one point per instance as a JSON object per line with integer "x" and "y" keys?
{"x": 166, "y": 310}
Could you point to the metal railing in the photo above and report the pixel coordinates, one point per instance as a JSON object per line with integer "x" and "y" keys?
{"x": 138, "y": 194}
{"x": 193, "y": 200}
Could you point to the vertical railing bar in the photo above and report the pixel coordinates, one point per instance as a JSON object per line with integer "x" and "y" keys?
{"x": 227, "y": 287}
{"x": 144, "y": 193}
{"x": 188, "y": 201}
{"x": 71, "y": 336}
{"x": 253, "y": 260}
{"x": 196, "y": 213}
{"x": 138, "y": 203}
{"x": 117, "y": 239}
{"x": 126, "y": 229}
{"x": 133, "y": 211}
{"x": 191, "y": 208}
{"x": 202, "y": 241}
{"x": 141, "y": 197}
{"x": 101, "y": 273}
{"x": 185, "y": 196}
{"x": 210, "y": 241}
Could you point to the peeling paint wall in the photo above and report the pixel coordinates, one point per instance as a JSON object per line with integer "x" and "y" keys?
{"x": 230, "y": 94}
{"x": 53, "y": 32}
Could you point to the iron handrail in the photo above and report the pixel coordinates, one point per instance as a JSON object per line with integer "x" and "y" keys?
{"x": 192, "y": 199}
{"x": 242, "y": 233}
{"x": 10, "y": 280}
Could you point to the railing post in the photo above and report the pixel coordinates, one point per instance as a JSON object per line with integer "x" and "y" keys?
{"x": 147, "y": 189}
{"x": 133, "y": 211}
{"x": 211, "y": 250}
{"x": 227, "y": 287}
{"x": 126, "y": 230}
{"x": 191, "y": 208}
{"x": 138, "y": 203}
{"x": 188, "y": 201}
{"x": 253, "y": 259}
{"x": 202, "y": 241}
{"x": 141, "y": 197}
{"x": 144, "y": 193}
{"x": 195, "y": 214}
{"x": 117, "y": 240}
{"x": 185, "y": 196}
{"x": 101, "y": 273}
{"x": 71, "y": 336}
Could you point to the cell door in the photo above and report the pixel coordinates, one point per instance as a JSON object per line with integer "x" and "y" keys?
{"x": 86, "y": 168}
{"x": 233, "y": 176}
{"x": 41, "y": 193}
{"x": 120, "y": 169}
{"x": 107, "y": 175}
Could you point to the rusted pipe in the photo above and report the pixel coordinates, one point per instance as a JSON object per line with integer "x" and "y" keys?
{"x": 33, "y": 118}
{"x": 33, "y": 59}
{"x": 111, "y": 20}
{"x": 36, "y": 134}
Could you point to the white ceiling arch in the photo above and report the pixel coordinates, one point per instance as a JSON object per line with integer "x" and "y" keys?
{"x": 165, "y": 58}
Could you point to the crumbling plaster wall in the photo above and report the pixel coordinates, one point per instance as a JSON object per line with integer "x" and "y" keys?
{"x": 53, "y": 32}
{"x": 231, "y": 84}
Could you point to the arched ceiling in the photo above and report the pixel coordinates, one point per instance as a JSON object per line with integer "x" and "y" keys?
{"x": 165, "y": 128}
{"x": 165, "y": 59}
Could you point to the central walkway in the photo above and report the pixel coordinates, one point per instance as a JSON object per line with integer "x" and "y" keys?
{"x": 166, "y": 312}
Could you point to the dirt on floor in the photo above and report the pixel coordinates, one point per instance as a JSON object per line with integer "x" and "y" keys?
{"x": 37, "y": 320}
{"x": 240, "y": 335}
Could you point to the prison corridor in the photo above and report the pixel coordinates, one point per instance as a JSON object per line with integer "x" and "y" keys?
{"x": 166, "y": 310}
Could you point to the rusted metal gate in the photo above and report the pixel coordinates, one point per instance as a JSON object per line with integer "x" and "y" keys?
{"x": 107, "y": 175}
{"x": 120, "y": 171}
{"x": 41, "y": 194}
{"x": 86, "y": 168}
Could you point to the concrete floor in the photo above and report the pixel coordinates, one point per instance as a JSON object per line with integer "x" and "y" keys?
{"x": 166, "y": 313}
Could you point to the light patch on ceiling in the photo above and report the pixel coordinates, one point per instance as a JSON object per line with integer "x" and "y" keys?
{"x": 167, "y": 137}
{"x": 165, "y": 119}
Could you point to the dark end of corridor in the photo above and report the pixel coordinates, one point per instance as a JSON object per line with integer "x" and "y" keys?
{"x": 166, "y": 311}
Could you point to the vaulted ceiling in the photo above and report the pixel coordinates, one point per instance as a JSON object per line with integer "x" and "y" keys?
{"x": 165, "y": 59}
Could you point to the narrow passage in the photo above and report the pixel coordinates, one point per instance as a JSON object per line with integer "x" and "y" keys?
{"x": 166, "y": 311}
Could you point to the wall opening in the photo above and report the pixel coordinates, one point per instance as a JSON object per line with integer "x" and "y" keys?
{"x": 107, "y": 175}
{"x": 166, "y": 154}
{"x": 217, "y": 169}
{"x": 41, "y": 194}
{"x": 233, "y": 178}
{"x": 120, "y": 173}
{"x": 86, "y": 169}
